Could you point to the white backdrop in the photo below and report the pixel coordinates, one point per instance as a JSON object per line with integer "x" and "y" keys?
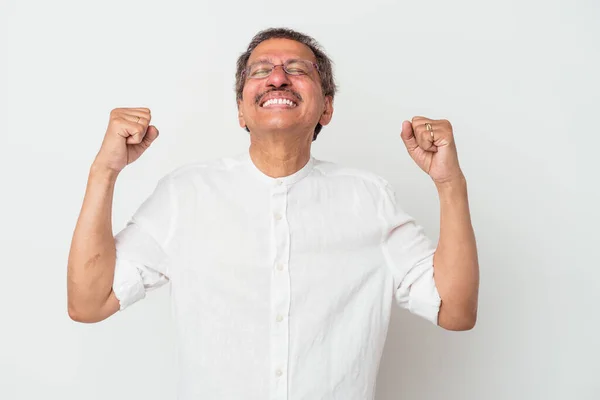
{"x": 518, "y": 80}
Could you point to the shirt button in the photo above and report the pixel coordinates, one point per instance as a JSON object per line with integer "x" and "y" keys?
{"x": 279, "y": 183}
{"x": 279, "y": 318}
{"x": 280, "y": 266}
{"x": 278, "y": 372}
{"x": 277, "y": 216}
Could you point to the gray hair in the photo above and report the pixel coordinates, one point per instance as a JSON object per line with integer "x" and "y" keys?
{"x": 324, "y": 63}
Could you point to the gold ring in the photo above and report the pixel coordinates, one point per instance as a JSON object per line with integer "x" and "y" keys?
{"x": 429, "y": 128}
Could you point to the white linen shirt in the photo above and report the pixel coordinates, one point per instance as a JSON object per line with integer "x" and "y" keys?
{"x": 281, "y": 288}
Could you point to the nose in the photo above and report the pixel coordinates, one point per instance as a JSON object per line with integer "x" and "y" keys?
{"x": 278, "y": 77}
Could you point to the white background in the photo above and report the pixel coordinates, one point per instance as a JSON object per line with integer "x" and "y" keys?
{"x": 517, "y": 79}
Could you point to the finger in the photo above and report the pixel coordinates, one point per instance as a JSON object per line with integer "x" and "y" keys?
{"x": 134, "y": 110}
{"x": 137, "y": 125}
{"x": 408, "y": 136}
{"x": 437, "y": 124}
{"x": 138, "y": 133}
{"x": 133, "y": 132}
{"x": 138, "y": 119}
{"x": 131, "y": 114}
{"x": 424, "y": 137}
{"x": 420, "y": 123}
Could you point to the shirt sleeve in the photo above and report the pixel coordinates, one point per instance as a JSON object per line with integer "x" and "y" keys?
{"x": 409, "y": 254}
{"x": 142, "y": 261}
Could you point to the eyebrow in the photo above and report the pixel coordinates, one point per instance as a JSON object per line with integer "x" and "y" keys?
{"x": 270, "y": 61}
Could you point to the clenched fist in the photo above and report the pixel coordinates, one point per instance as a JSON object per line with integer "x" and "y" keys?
{"x": 128, "y": 135}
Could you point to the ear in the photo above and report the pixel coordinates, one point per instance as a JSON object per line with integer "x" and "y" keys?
{"x": 327, "y": 112}
{"x": 241, "y": 119}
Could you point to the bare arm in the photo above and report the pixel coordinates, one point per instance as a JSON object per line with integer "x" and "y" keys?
{"x": 455, "y": 261}
{"x": 92, "y": 258}
{"x": 91, "y": 264}
{"x": 431, "y": 145}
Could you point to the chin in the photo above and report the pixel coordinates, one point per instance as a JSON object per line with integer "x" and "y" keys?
{"x": 277, "y": 124}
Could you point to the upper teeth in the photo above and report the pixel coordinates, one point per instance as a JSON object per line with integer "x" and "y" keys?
{"x": 278, "y": 101}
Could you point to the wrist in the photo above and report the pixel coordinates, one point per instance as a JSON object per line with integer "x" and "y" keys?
{"x": 101, "y": 172}
{"x": 454, "y": 185}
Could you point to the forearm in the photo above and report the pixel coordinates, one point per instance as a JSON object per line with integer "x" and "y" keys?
{"x": 456, "y": 266}
{"x": 91, "y": 263}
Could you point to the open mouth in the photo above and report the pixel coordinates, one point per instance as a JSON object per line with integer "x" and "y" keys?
{"x": 280, "y": 103}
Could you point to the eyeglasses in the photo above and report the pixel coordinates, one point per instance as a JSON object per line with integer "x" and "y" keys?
{"x": 263, "y": 69}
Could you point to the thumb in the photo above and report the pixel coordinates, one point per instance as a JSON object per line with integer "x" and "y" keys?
{"x": 408, "y": 136}
{"x": 151, "y": 135}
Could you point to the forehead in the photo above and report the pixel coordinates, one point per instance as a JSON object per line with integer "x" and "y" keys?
{"x": 277, "y": 50}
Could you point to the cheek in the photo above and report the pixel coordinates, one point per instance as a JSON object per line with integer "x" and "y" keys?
{"x": 248, "y": 103}
{"x": 313, "y": 93}
{"x": 246, "y": 96}
{"x": 317, "y": 103}
{"x": 249, "y": 93}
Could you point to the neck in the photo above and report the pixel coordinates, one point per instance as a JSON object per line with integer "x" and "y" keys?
{"x": 277, "y": 156}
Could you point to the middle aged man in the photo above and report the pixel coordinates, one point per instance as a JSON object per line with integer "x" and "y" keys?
{"x": 283, "y": 268}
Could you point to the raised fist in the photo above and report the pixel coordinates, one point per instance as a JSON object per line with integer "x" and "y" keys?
{"x": 128, "y": 135}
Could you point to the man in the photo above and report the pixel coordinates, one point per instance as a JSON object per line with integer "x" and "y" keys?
{"x": 283, "y": 268}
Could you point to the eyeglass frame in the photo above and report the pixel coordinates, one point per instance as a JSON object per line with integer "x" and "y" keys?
{"x": 245, "y": 71}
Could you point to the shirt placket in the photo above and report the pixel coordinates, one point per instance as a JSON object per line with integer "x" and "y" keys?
{"x": 280, "y": 294}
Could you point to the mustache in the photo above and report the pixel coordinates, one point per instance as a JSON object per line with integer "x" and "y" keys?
{"x": 261, "y": 95}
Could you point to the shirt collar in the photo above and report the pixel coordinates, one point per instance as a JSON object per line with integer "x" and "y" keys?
{"x": 284, "y": 180}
